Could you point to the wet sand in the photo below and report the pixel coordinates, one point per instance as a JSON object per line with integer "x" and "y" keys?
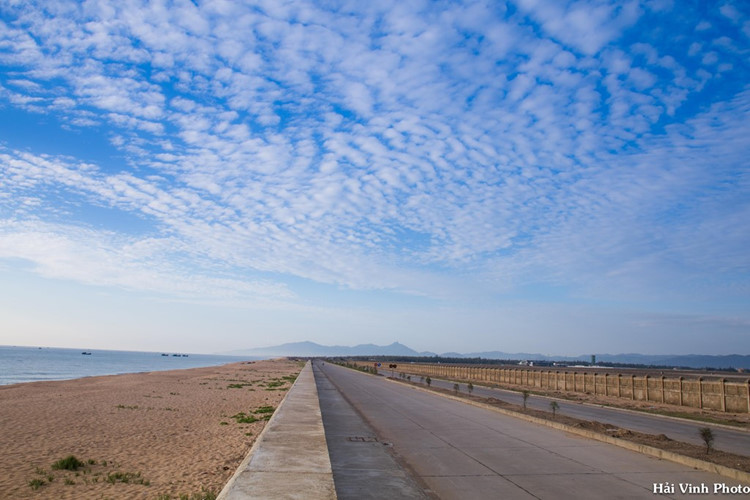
{"x": 141, "y": 436}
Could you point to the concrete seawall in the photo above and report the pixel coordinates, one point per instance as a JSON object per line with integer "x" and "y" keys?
{"x": 290, "y": 457}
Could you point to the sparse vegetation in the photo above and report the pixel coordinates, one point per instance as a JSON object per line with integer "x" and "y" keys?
{"x": 239, "y": 386}
{"x": 126, "y": 478}
{"x": 367, "y": 369}
{"x": 244, "y": 418}
{"x": 204, "y": 494}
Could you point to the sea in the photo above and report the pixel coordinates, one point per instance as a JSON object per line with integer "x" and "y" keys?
{"x": 34, "y": 364}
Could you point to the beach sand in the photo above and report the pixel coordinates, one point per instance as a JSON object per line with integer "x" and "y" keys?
{"x": 166, "y": 433}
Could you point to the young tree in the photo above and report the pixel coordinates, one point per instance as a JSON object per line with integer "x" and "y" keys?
{"x": 554, "y": 406}
{"x": 429, "y": 380}
{"x": 470, "y": 387}
{"x": 455, "y": 388}
{"x": 525, "y": 394}
{"x": 707, "y": 435}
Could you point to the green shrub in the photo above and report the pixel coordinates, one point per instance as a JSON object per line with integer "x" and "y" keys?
{"x": 68, "y": 463}
{"x": 36, "y": 483}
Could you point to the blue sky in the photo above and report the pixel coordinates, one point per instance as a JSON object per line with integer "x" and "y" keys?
{"x": 537, "y": 176}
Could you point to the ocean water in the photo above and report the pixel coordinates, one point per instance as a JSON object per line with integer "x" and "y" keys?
{"x": 32, "y": 364}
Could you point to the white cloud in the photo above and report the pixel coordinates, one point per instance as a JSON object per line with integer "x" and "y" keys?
{"x": 376, "y": 146}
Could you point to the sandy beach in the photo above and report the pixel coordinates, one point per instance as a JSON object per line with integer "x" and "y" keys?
{"x": 153, "y": 435}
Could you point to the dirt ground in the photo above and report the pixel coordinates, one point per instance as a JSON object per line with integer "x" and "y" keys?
{"x": 160, "y": 435}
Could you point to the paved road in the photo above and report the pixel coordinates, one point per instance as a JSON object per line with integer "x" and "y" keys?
{"x": 461, "y": 451}
{"x": 733, "y": 441}
{"x": 363, "y": 467}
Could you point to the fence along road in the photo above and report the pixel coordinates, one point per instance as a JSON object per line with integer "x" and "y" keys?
{"x": 728, "y": 394}
{"x": 461, "y": 451}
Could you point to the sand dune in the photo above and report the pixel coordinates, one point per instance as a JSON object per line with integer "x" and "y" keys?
{"x": 166, "y": 433}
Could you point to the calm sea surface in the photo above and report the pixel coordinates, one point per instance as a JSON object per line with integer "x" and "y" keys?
{"x": 32, "y": 364}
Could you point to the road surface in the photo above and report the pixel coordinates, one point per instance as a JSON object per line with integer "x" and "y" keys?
{"x": 454, "y": 450}
{"x": 730, "y": 440}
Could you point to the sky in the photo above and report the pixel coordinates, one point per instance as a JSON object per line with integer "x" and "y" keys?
{"x": 524, "y": 176}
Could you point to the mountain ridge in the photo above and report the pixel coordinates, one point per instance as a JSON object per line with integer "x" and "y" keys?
{"x": 312, "y": 349}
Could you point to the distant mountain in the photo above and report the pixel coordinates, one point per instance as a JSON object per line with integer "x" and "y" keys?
{"x": 311, "y": 349}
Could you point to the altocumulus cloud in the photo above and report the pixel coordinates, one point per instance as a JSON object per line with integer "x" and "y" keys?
{"x": 415, "y": 147}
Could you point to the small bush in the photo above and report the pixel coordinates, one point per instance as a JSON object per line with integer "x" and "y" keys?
{"x": 470, "y": 387}
{"x": 36, "y": 483}
{"x": 68, "y": 463}
{"x": 554, "y": 406}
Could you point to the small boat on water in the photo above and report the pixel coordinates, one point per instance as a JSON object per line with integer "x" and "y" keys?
{"x": 86, "y": 353}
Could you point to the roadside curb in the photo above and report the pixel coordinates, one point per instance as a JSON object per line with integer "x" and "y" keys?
{"x": 289, "y": 459}
{"x": 640, "y": 448}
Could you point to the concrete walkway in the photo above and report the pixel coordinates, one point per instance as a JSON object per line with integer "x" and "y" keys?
{"x": 289, "y": 459}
